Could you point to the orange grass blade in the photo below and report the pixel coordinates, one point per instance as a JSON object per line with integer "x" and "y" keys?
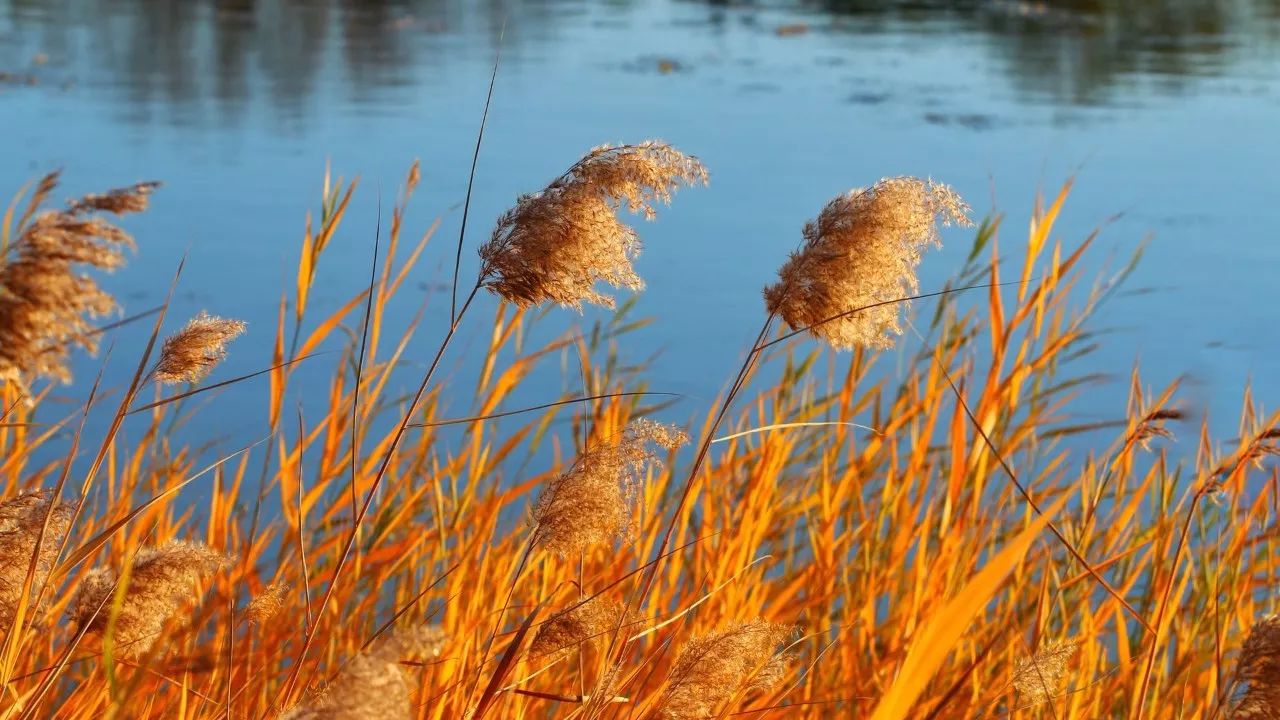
{"x": 1026, "y": 496}
{"x": 97, "y": 541}
{"x": 940, "y": 634}
{"x": 506, "y": 664}
{"x": 781, "y": 426}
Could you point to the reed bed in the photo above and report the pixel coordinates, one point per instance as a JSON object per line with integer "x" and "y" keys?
{"x": 905, "y": 527}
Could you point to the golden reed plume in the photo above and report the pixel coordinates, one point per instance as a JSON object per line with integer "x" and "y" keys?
{"x": 161, "y": 582}
{"x": 189, "y": 354}
{"x": 374, "y": 685}
{"x": 714, "y": 667}
{"x": 46, "y": 302}
{"x": 592, "y": 503}
{"x": 1259, "y": 669}
{"x": 21, "y": 521}
{"x": 555, "y": 244}
{"x": 863, "y": 249}
{"x": 565, "y": 631}
{"x": 1040, "y": 677}
{"x": 267, "y": 604}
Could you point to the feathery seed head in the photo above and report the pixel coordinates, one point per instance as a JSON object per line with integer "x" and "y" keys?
{"x": 46, "y": 302}
{"x": 556, "y": 244}
{"x": 1039, "y": 677}
{"x": 132, "y": 199}
{"x": 1259, "y": 669}
{"x": 862, "y": 250}
{"x": 414, "y": 177}
{"x": 189, "y": 354}
{"x": 714, "y": 667}
{"x": 1153, "y": 426}
{"x": 21, "y": 519}
{"x": 563, "y": 632}
{"x": 267, "y": 604}
{"x": 161, "y": 581}
{"x": 374, "y": 685}
{"x": 592, "y": 502}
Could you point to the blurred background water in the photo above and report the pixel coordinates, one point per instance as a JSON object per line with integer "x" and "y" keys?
{"x": 1167, "y": 113}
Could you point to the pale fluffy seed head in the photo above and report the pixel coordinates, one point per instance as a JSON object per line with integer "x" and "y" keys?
{"x": 592, "y": 503}
{"x": 1039, "y": 677}
{"x": 189, "y": 354}
{"x": 161, "y": 582}
{"x": 21, "y": 519}
{"x": 863, "y": 249}
{"x": 714, "y": 667}
{"x": 374, "y": 685}
{"x": 46, "y": 301}
{"x": 604, "y": 692}
{"x": 556, "y": 244}
{"x": 1259, "y": 670}
{"x": 132, "y": 199}
{"x": 267, "y": 604}
{"x": 561, "y": 634}
{"x": 1152, "y": 426}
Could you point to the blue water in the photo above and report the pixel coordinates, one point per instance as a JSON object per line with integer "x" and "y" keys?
{"x": 1165, "y": 112}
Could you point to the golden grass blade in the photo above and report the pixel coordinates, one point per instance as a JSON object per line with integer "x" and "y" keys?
{"x": 934, "y": 642}
{"x": 6, "y": 222}
{"x": 505, "y": 665}
{"x": 92, "y": 545}
{"x": 324, "y": 329}
{"x": 1031, "y": 502}
{"x": 785, "y": 425}
{"x": 408, "y": 605}
{"x": 705, "y": 597}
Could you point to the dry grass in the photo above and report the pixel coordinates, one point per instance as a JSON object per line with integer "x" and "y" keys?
{"x": 381, "y": 568}
{"x": 191, "y": 353}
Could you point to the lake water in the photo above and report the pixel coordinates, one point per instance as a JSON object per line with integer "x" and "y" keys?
{"x": 1167, "y": 112}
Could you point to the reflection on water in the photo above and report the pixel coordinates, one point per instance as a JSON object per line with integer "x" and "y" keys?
{"x": 184, "y": 53}
{"x": 1088, "y": 51}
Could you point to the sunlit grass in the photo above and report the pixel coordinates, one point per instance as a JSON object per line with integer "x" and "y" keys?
{"x": 879, "y": 511}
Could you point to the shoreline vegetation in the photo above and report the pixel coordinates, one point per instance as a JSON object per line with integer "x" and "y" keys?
{"x": 842, "y": 541}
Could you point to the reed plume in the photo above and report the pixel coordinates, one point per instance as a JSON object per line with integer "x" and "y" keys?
{"x": 374, "y": 685}
{"x": 1259, "y": 668}
{"x": 189, "y": 354}
{"x": 863, "y": 249}
{"x": 561, "y": 634}
{"x": 267, "y": 604}
{"x": 161, "y": 581}
{"x": 713, "y": 668}
{"x": 592, "y": 502}
{"x": 21, "y": 520}
{"x": 556, "y": 244}
{"x": 1039, "y": 677}
{"x": 46, "y": 302}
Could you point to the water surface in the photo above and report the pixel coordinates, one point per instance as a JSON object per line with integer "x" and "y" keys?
{"x": 1166, "y": 113}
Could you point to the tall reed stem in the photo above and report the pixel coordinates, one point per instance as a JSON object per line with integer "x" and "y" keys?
{"x": 347, "y": 547}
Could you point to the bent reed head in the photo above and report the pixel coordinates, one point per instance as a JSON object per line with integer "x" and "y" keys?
{"x": 862, "y": 252}
{"x": 557, "y": 243}
{"x": 191, "y": 353}
{"x": 46, "y": 301}
{"x": 591, "y": 503}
